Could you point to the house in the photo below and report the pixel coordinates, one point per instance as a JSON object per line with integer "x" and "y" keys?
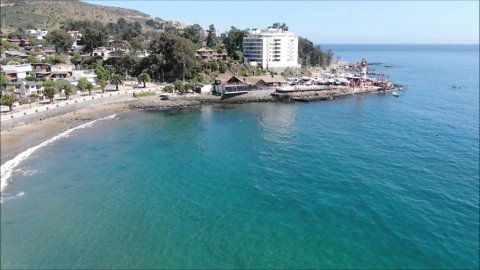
{"x": 69, "y": 80}
{"x": 269, "y": 81}
{"x": 19, "y": 41}
{"x": 208, "y": 54}
{"x": 41, "y": 67}
{"x": 87, "y": 74}
{"x": 41, "y": 70}
{"x": 37, "y": 33}
{"x": 61, "y": 67}
{"x": 104, "y": 52}
{"x": 225, "y": 83}
{"x": 24, "y": 88}
{"x": 75, "y": 34}
{"x": 11, "y": 54}
{"x": 15, "y": 72}
{"x": 60, "y": 71}
{"x": 48, "y": 51}
{"x": 205, "y": 53}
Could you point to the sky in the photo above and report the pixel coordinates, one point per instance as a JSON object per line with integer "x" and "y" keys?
{"x": 330, "y": 22}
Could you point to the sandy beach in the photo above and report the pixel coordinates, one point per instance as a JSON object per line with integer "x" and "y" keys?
{"x": 22, "y": 136}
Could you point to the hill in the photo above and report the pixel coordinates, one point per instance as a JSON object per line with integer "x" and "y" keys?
{"x": 27, "y": 14}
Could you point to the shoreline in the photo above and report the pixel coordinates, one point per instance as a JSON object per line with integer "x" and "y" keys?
{"x": 22, "y": 134}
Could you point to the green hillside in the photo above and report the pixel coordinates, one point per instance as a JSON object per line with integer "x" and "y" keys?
{"x": 51, "y": 13}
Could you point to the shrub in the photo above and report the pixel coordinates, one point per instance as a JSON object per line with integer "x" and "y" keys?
{"x": 168, "y": 89}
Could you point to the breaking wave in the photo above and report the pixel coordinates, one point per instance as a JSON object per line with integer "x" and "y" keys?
{"x": 7, "y": 168}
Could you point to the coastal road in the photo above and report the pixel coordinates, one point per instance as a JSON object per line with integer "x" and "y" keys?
{"x": 25, "y": 110}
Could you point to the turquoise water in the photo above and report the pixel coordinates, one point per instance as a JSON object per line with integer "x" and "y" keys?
{"x": 367, "y": 181}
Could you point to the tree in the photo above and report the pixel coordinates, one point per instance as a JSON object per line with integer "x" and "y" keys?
{"x": 32, "y": 59}
{"x": 194, "y": 33}
{"x": 76, "y": 58}
{"x": 211, "y": 36}
{"x": 233, "y": 40}
{"x": 238, "y": 55}
{"x": 278, "y": 25}
{"x": 9, "y": 100}
{"x": 49, "y": 89}
{"x": 94, "y": 35}
{"x": 116, "y": 79}
{"x": 144, "y": 78}
{"x": 83, "y": 84}
{"x": 305, "y": 48}
{"x": 89, "y": 88}
{"x": 174, "y": 55}
{"x": 3, "y": 82}
{"x": 103, "y": 84}
{"x": 60, "y": 39}
{"x": 68, "y": 90}
{"x": 101, "y": 72}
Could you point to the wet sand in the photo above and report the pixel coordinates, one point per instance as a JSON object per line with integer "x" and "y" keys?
{"x": 19, "y": 138}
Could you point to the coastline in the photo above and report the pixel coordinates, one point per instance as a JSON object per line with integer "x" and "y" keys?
{"x": 23, "y": 133}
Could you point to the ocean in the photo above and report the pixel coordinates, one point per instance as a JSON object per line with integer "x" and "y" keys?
{"x": 366, "y": 181}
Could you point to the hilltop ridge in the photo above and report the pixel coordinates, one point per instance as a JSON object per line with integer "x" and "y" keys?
{"x": 51, "y": 13}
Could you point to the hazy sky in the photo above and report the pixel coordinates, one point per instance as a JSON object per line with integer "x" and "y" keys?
{"x": 329, "y": 21}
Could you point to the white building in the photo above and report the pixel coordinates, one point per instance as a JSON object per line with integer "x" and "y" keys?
{"x": 16, "y": 72}
{"x": 271, "y": 48}
{"x": 37, "y": 33}
{"x": 87, "y": 74}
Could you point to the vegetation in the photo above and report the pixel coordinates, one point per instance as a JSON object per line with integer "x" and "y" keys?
{"x": 9, "y": 100}
{"x": 60, "y": 39}
{"x": 117, "y": 79}
{"x": 50, "y": 89}
{"x": 83, "y": 84}
{"x": 144, "y": 78}
{"x": 102, "y": 83}
{"x": 52, "y": 14}
{"x": 233, "y": 41}
{"x": 211, "y": 36}
{"x": 144, "y": 94}
{"x": 3, "y": 82}
{"x": 56, "y": 59}
{"x": 168, "y": 88}
{"x": 68, "y": 89}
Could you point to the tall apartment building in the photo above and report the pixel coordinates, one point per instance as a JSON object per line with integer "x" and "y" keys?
{"x": 273, "y": 49}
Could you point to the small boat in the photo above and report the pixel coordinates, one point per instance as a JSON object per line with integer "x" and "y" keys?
{"x": 395, "y": 94}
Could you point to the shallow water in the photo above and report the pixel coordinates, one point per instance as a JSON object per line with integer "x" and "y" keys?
{"x": 367, "y": 181}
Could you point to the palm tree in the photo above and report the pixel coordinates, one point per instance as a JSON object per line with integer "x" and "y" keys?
{"x": 144, "y": 78}
{"x": 103, "y": 84}
{"x": 68, "y": 89}
{"x": 8, "y": 100}
{"x": 116, "y": 79}
{"x": 49, "y": 89}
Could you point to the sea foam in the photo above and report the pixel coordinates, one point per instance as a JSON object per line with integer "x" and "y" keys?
{"x": 7, "y": 168}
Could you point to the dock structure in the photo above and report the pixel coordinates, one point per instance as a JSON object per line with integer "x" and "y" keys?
{"x": 311, "y": 93}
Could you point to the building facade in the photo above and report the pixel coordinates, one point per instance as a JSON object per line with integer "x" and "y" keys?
{"x": 273, "y": 49}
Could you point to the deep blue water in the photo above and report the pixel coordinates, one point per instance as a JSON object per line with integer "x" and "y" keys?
{"x": 367, "y": 181}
